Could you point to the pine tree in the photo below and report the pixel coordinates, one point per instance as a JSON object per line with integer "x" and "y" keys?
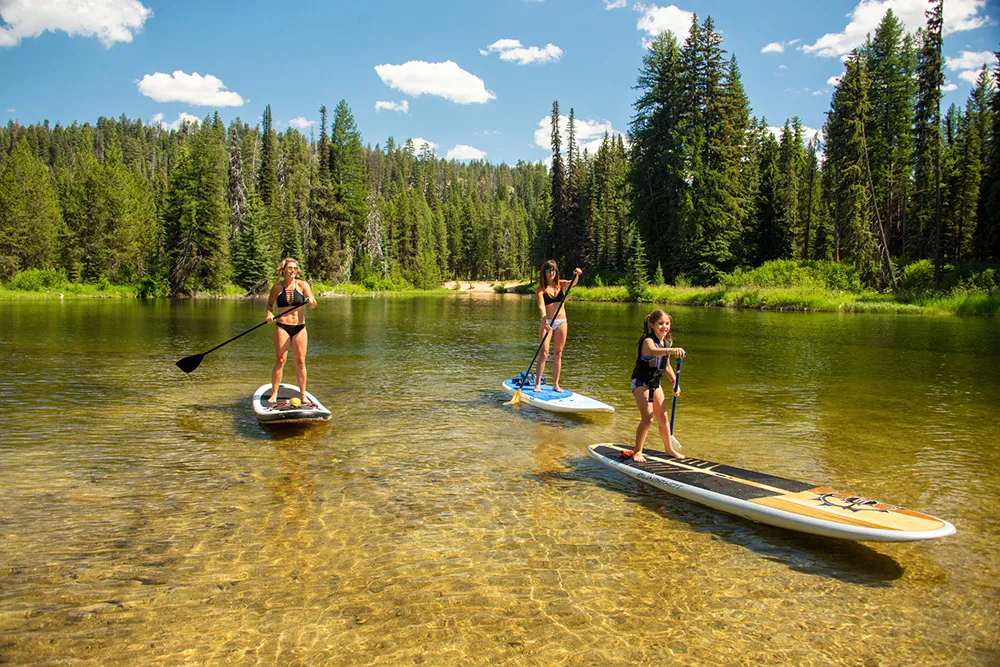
{"x": 987, "y": 238}
{"x": 928, "y": 144}
{"x": 657, "y": 170}
{"x": 236, "y": 194}
{"x": 29, "y": 213}
{"x": 559, "y": 195}
{"x": 196, "y": 220}
{"x": 267, "y": 178}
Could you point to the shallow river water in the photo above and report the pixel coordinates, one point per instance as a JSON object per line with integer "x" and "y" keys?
{"x": 145, "y": 515}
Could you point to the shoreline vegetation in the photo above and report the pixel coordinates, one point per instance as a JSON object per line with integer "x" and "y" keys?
{"x": 779, "y": 286}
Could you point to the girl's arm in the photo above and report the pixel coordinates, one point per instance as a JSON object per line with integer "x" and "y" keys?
{"x": 308, "y": 293}
{"x": 651, "y": 350}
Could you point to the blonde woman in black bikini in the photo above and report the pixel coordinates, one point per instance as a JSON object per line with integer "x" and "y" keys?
{"x": 290, "y": 331}
{"x": 551, "y": 293}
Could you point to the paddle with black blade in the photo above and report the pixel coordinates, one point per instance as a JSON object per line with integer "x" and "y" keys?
{"x": 188, "y": 364}
{"x": 516, "y": 400}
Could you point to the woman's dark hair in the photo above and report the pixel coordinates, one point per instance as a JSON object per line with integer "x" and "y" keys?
{"x": 548, "y": 264}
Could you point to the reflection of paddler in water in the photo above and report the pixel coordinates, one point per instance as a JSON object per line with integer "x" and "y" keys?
{"x": 551, "y": 294}
{"x": 290, "y": 329}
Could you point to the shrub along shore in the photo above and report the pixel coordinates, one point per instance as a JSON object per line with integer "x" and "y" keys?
{"x": 787, "y": 285}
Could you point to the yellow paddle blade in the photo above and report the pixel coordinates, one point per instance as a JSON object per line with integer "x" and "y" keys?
{"x": 516, "y": 400}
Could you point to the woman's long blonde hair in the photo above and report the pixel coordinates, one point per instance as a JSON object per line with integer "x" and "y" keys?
{"x": 652, "y": 319}
{"x": 284, "y": 263}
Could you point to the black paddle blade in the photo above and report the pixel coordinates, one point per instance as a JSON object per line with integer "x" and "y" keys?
{"x": 188, "y": 364}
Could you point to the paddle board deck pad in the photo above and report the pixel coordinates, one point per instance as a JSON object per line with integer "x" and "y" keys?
{"x": 287, "y": 414}
{"x": 774, "y": 500}
{"x": 554, "y": 401}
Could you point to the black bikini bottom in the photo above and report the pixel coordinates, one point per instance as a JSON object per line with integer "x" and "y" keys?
{"x": 291, "y": 329}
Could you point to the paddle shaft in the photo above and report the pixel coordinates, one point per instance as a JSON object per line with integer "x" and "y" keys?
{"x": 545, "y": 338}
{"x": 677, "y": 381}
{"x": 254, "y": 328}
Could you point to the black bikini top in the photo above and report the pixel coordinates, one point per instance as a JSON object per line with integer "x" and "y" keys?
{"x": 297, "y": 298}
{"x": 549, "y": 300}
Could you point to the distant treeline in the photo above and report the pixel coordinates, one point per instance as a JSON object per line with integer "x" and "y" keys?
{"x": 699, "y": 189}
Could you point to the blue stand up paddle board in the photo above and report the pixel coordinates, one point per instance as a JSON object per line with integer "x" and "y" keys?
{"x": 554, "y": 401}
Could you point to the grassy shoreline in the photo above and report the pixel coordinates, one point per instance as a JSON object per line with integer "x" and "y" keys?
{"x": 792, "y": 299}
{"x": 803, "y": 299}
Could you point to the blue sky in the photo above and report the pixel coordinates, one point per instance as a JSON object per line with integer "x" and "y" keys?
{"x": 476, "y": 79}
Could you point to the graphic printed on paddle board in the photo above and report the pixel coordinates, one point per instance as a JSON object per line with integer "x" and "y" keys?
{"x": 846, "y": 501}
{"x": 549, "y": 399}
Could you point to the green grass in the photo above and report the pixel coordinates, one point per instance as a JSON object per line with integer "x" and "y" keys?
{"x": 812, "y": 299}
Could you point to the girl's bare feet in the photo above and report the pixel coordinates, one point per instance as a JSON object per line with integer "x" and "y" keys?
{"x": 638, "y": 457}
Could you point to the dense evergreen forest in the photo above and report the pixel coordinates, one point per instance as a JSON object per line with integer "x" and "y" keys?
{"x": 698, "y": 189}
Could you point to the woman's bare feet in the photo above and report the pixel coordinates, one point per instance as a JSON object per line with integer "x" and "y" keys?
{"x": 538, "y": 388}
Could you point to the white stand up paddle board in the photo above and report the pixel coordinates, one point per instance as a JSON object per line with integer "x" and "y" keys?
{"x": 287, "y": 413}
{"x": 554, "y": 401}
{"x": 776, "y": 501}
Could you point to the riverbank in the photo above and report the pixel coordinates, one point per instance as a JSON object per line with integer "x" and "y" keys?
{"x": 792, "y": 299}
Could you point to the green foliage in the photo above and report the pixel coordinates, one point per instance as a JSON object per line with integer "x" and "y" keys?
{"x": 658, "y": 275}
{"x": 29, "y": 213}
{"x": 39, "y": 280}
{"x": 787, "y": 273}
{"x": 636, "y": 281}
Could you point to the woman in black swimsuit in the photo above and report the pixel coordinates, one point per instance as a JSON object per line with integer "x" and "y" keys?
{"x": 291, "y": 328}
{"x": 551, "y": 293}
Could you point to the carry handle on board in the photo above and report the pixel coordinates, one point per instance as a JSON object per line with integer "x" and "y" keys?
{"x": 188, "y": 364}
{"x": 516, "y": 400}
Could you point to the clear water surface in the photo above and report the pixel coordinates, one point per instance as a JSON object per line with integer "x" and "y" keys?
{"x": 146, "y": 516}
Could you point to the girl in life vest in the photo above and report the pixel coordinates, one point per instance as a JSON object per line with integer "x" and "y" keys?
{"x": 652, "y": 362}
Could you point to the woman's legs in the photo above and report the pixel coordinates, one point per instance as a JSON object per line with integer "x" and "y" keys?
{"x": 281, "y": 341}
{"x": 299, "y": 344}
{"x": 543, "y": 356}
{"x": 558, "y": 343}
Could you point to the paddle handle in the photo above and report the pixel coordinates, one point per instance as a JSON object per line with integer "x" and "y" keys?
{"x": 546, "y": 336}
{"x": 677, "y": 382}
{"x": 254, "y": 328}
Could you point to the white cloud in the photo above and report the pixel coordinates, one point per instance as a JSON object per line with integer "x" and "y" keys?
{"x": 11, "y": 110}
{"x": 403, "y": 106}
{"x": 614, "y": 4}
{"x": 778, "y": 47}
{"x": 589, "y": 134}
{"x": 782, "y": 66}
{"x": 968, "y": 64}
{"x": 959, "y": 15}
{"x": 655, "y": 20}
{"x": 463, "y": 152}
{"x": 182, "y": 117}
{"x": 512, "y": 50}
{"x": 109, "y": 20}
{"x": 446, "y": 80}
{"x": 301, "y": 123}
{"x": 948, "y": 87}
{"x": 821, "y": 91}
{"x": 418, "y": 144}
{"x": 834, "y": 80}
{"x": 195, "y": 89}
{"x": 808, "y": 133}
